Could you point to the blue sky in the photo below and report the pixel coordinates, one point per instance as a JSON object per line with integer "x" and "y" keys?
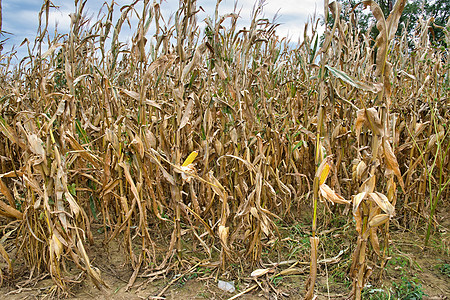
{"x": 20, "y": 17}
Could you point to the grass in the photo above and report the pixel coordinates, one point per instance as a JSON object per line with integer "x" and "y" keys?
{"x": 98, "y": 132}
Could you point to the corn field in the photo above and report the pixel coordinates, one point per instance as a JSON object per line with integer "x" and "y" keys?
{"x": 194, "y": 147}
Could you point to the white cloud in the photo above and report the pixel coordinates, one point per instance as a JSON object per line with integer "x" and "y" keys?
{"x": 61, "y": 19}
{"x": 291, "y": 14}
{"x": 21, "y": 18}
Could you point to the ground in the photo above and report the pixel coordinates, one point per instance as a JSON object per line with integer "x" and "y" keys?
{"x": 413, "y": 270}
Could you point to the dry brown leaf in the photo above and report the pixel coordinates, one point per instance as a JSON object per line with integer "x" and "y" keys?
{"x": 434, "y": 138}
{"x": 94, "y": 274}
{"x": 291, "y": 271}
{"x": 10, "y": 133}
{"x": 133, "y": 188}
{"x": 9, "y": 211}
{"x": 335, "y": 9}
{"x": 374, "y": 122}
{"x": 136, "y": 96}
{"x": 359, "y": 171}
{"x": 331, "y": 195}
{"x": 56, "y": 247}
{"x": 383, "y": 202}
{"x": 166, "y": 174}
{"x": 392, "y": 163}
{"x": 162, "y": 61}
{"x": 394, "y": 17}
{"x": 234, "y": 136}
{"x": 223, "y": 234}
{"x": 6, "y": 258}
{"x": 265, "y": 227}
{"x": 254, "y": 212}
{"x": 358, "y": 220}
{"x": 111, "y": 136}
{"x": 36, "y": 146}
{"x": 369, "y": 184}
{"x": 374, "y": 240}
{"x": 218, "y": 147}
{"x": 137, "y": 142}
{"x": 193, "y": 63}
{"x": 216, "y": 186}
{"x": 382, "y": 38}
{"x": 361, "y": 119}
{"x": 86, "y": 154}
{"x": 187, "y": 112}
{"x": 149, "y": 139}
{"x": 373, "y": 210}
{"x": 220, "y": 71}
{"x": 260, "y": 272}
{"x": 74, "y": 207}
{"x": 6, "y": 192}
{"x": 34, "y": 185}
{"x": 369, "y": 118}
{"x": 357, "y": 199}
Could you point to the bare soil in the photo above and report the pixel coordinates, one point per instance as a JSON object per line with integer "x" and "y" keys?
{"x": 409, "y": 260}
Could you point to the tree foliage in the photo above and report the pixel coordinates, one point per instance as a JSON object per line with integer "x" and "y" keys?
{"x": 437, "y": 10}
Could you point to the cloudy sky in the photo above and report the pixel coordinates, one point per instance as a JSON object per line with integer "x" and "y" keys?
{"x": 20, "y": 18}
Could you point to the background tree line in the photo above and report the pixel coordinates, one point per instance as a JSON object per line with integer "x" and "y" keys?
{"x": 438, "y": 10}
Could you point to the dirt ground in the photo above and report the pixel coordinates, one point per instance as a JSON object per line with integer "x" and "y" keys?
{"x": 409, "y": 260}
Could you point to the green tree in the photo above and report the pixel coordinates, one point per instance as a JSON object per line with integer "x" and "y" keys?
{"x": 409, "y": 17}
{"x": 439, "y": 10}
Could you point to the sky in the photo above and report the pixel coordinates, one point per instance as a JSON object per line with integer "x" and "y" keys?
{"x": 20, "y": 17}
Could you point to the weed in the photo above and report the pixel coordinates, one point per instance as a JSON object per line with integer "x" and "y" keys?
{"x": 375, "y": 294}
{"x": 444, "y": 268}
{"x": 408, "y": 289}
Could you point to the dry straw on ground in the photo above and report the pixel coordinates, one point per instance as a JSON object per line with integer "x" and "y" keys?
{"x": 97, "y": 132}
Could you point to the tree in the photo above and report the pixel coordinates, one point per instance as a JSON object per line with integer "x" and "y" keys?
{"x": 440, "y": 11}
{"x": 414, "y": 9}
